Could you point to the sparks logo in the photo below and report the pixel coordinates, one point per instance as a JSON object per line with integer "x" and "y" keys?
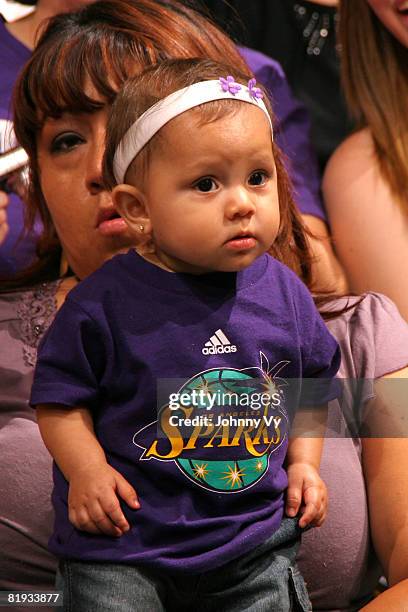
{"x": 218, "y": 344}
{"x": 218, "y": 451}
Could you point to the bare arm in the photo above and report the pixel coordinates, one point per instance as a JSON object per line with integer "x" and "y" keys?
{"x": 94, "y": 486}
{"x": 328, "y": 274}
{"x": 385, "y": 462}
{"x": 369, "y": 227}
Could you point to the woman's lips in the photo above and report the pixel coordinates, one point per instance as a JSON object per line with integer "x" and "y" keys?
{"x": 401, "y": 5}
{"x": 112, "y": 227}
{"x": 402, "y": 11}
{"x": 403, "y": 17}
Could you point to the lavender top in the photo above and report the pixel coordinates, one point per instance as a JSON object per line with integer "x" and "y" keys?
{"x": 26, "y": 515}
{"x": 337, "y": 560}
{"x": 133, "y": 326}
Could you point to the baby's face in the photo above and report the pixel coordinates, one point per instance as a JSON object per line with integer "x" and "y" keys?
{"x": 211, "y": 192}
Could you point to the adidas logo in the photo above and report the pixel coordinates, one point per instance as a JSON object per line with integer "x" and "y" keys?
{"x": 218, "y": 344}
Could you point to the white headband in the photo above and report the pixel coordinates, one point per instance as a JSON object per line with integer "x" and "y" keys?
{"x": 148, "y": 124}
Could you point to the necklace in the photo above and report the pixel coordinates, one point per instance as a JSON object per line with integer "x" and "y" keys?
{"x": 315, "y": 26}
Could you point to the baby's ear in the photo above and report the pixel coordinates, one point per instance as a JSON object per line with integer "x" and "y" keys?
{"x": 130, "y": 203}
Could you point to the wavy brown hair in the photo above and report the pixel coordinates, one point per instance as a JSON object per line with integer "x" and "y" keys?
{"x": 374, "y": 68}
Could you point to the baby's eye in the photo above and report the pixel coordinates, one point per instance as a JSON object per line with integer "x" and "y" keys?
{"x": 258, "y": 178}
{"x": 66, "y": 142}
{"x": 205, "y": 185}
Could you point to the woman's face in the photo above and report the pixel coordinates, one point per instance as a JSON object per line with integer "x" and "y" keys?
{"x": 394, "y": 16}
{"x": 60, "y": 6}
{"x": 70, "y": 151}
{"x": 73, "y": 5}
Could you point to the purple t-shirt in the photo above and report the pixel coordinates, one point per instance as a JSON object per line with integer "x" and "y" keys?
{"x": 15, "y": 253}
{"x": 209, "y": 492}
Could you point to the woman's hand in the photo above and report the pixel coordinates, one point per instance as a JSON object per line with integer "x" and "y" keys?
{"x": 306, "y": 492}
{"x": 93, "y": 500}
{"x": 4, "y": 228}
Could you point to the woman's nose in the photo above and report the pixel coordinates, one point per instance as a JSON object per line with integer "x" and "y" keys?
{"x": 94, "y": 180}
{"x": 240, "y": 203}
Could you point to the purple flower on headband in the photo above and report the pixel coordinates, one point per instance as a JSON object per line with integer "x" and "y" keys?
{"x": 230, "y": 85}
{"x": 254, "y": 91}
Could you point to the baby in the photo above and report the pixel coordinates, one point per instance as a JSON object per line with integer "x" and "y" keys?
{"x": 166, "y": 371}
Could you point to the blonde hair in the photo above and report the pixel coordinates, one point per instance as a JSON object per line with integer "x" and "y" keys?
{"x": 374, "y": 70}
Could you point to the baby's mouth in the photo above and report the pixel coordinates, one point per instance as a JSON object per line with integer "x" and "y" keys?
{"x": 241, "y": 241}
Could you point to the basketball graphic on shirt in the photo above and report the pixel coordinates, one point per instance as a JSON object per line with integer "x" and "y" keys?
{"x": 227, "y": 475}
{"x": 221, "y": 428}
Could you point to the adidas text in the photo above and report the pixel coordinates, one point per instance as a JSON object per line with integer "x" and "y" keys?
{"x": 218, "y": 344}
{"x": 219, "y": 350}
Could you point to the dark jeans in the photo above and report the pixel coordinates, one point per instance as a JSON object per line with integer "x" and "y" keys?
{"x": 264, "y": 580}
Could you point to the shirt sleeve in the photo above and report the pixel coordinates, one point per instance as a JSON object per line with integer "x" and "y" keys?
{"x": 379, "y": 337}
{"x": 70, "y": 362}
{"x": 292, "y": 133}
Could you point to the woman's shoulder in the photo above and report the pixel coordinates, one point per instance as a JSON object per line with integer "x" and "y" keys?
{"x": 353, "y": 185}
{"x": 372, "y": 334}
{"x": 354, "y": 154}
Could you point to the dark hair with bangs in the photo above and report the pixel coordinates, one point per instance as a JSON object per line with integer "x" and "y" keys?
{"x": 104, "y": 43}
{"x": 155, "y": 83}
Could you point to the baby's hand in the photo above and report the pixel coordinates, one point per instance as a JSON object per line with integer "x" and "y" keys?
{"x": 307, "y": 492}
{"x": 93, "y": 500}
{"x": 3, "y": 216}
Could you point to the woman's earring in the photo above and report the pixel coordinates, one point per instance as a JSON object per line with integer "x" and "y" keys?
{"x": 141, "y": 228}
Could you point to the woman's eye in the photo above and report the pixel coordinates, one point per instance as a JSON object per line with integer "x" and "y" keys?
{"x": 258, "y": 178}
{"x": 66, "y": 142}
{"x": 205, "y": 185}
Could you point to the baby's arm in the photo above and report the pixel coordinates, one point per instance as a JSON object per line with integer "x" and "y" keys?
{"x": 94, "y": 486}
{"x": 306, "y": 490}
